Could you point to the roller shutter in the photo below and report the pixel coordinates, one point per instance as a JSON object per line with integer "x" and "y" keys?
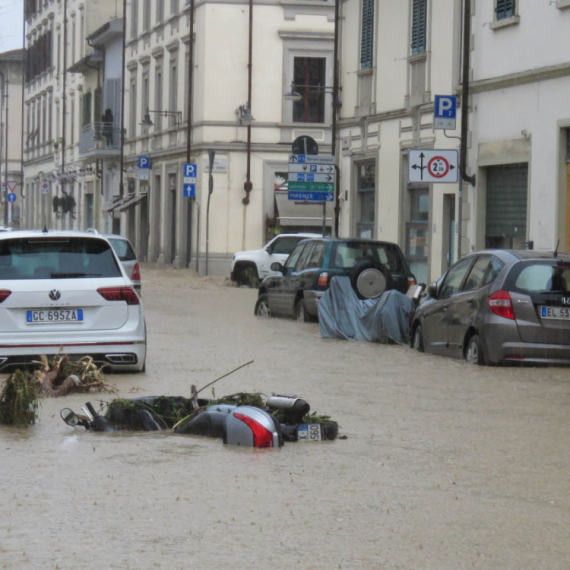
{"x": 506, "y": 209}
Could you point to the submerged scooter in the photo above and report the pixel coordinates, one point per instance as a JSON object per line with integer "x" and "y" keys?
{"x": 91, "y": 420}
{"x": 281, "y": 419}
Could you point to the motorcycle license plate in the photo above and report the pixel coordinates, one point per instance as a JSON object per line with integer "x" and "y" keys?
{"x": 54, "y": 316}
{"x": 309, "y": 432}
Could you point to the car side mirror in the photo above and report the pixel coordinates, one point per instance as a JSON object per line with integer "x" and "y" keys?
{"x": 432, "y": 290}
{"x": 276, "y": 266}
{"x": 269, "y": 249}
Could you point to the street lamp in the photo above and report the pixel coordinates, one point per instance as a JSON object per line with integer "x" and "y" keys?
{"x": 147, "y": 122}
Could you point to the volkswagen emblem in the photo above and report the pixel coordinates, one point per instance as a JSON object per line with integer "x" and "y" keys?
{"x": 566, "y": 300}
{"x": 54, "y": 294}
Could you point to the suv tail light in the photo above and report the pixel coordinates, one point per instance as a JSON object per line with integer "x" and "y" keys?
{"x": 136, "y": 276}
{"x": 262, "y": 437}
{"x": 323, "y": 279}
{"x": 119, "y": 294}
{"x": 500, "y": 303}
{"x": 4, "y": 294}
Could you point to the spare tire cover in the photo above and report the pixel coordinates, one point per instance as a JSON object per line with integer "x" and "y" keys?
{"x": 371, "y": 283}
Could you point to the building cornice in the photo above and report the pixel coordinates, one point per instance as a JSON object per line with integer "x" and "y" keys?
{"x": 520, "y": 78}
{"x": 318, "y": 36}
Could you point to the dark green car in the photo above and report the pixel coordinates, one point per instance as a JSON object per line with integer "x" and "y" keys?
{"x": 373, "y": 267}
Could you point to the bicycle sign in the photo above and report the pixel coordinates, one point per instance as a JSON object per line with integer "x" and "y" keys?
{"x": 432, "y": 166}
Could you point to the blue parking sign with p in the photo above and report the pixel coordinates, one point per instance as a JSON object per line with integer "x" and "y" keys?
{"x": 144, "y": 161}
{"x": 189, "y": 170}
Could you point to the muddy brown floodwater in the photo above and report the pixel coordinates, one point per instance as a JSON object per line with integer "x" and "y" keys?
{"x": 445, "y": 466}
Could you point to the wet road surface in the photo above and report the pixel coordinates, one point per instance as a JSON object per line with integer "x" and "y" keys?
{"x": 445, "y": 467}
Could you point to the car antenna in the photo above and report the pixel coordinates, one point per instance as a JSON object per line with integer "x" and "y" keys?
{"x": 556, "y": 250}
{"x": 45, "y": 230}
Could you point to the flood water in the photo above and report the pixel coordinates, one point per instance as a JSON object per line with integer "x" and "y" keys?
{"x": 445, "y": 466}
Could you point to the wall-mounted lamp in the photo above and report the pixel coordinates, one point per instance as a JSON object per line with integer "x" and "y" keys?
{"x": 147, "y": 122}
{"x": 244, "y": 115}
{"x": 295, "y": 96}
{"x": 292, "y": 95}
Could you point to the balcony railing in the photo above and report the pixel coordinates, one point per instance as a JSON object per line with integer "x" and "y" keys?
{"x": 100, "y": 140}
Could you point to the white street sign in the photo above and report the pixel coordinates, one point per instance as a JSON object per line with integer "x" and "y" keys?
{"x": 439, "y": 166}
{"x": 144, "y": 174}
{"x": 311, "y": 159}
{"x": 315, "y": 168}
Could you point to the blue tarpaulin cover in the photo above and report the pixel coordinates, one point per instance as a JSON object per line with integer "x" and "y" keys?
{"x": 343, "y": 315}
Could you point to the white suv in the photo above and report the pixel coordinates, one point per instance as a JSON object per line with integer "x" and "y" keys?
{"x": 67, "y": 290}
{"x": 250, "y": 267}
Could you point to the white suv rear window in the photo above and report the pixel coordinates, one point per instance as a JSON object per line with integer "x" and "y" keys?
{"x": 56, "y": 258}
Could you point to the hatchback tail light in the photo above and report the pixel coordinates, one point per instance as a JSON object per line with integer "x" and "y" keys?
{"x": 4, "y": 294}
{"x": 262, "y": 437}
{"x": 136, "y": 276}
{"x": 323, "y": 279}
{"x": 500, "y": 303}
{"x": 120, "y": 294}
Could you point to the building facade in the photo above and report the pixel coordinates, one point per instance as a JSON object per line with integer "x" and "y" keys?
{"x": 395, "y": 57}
{"x": 61, "y": 189}
{"x": 518, "y": 125}
{"x": 105, "y": 95}
{"x": 11, "y": 78}
{"x": 245, "y": 56}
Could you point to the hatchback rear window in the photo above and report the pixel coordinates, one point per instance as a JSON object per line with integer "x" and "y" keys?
{"x": 539, "y": 276}
{"x": 56, "y": 258}
{"x": 347, "y": 255}
{"x": 123, "y": 249}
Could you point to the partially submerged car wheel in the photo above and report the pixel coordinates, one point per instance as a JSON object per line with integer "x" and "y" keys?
{"x": 370, "y": 279}
{"x": 474, "y": 351}
{"x": 262, "y": 307}
{"x": 418, "y": 340}
{"x": 301, "y": 313}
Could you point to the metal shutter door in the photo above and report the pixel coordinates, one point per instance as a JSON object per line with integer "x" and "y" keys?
{"x": 506, "y": 205}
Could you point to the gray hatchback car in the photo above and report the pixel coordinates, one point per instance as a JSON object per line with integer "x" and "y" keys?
{"x": 499, "y": 306}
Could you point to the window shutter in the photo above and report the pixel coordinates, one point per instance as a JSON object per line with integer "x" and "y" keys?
{"x": 505, "y": 9}
{"x": 419, "y": 23}
{"x": 367, "y": 42}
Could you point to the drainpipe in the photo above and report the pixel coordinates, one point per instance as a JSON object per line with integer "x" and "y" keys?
{"x": 189, "y": 129}
{"x": 24, "y": 72}
{"x": 8, "y": 207}
{"x": 336, "y": 110}
{"x": 122, "y": 134}
{"x": 1, "y": 142}
{"x": 464, "y": 119}
{"x": 248, "y": 186}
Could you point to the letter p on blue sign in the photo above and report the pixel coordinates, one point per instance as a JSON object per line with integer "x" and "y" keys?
{"x": 445, "y": 112}
{"x": 144, "y": 162}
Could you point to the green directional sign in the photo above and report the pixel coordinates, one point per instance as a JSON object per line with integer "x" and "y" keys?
{"x": 310, "y": 187}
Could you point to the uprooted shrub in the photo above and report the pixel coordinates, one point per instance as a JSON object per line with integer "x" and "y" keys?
{"x": 19, "y": 399}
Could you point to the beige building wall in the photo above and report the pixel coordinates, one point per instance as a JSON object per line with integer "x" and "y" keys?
{"x": 11, "y": 136}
